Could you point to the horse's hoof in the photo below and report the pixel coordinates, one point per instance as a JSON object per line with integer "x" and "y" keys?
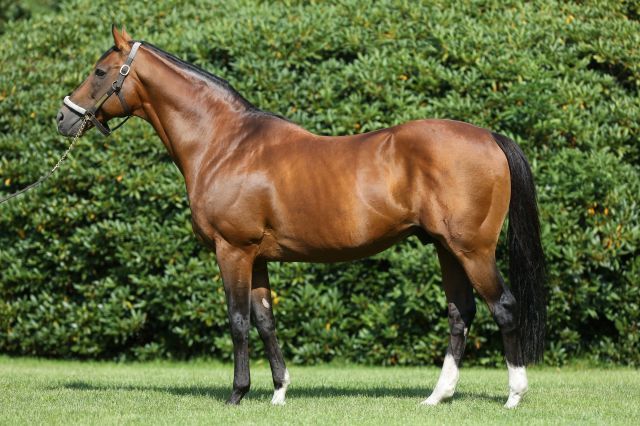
{"x": 514, "y": 400}
{"x": 279, "y": 396}
{"x": 235, "y": 398}
{"x": 430, "y": 401}
{"x": 435, "y": 400}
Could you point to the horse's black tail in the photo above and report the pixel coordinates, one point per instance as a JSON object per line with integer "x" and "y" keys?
{"x": 526, "y": 258}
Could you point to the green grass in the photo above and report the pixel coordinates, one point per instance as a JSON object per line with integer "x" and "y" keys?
{"x": 68, "y": 392}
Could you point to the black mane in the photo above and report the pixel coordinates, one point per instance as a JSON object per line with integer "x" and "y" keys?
{"x": 107, "y": 53}
{"x": 224, "y": 84}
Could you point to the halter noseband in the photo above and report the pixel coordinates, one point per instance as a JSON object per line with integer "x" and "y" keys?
{"x": 116, "y": 86}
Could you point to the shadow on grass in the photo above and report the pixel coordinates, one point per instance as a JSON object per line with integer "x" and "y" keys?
{"x": 222, "y": 392}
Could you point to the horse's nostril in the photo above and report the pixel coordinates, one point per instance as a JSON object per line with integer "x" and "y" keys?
{"x": 60, "y": 116}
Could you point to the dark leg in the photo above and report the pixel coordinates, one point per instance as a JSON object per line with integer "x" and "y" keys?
{"x": 504, "y": 312}
{"x": 486, "y": 279}
{"x": 261, "y": 307}
{"x": 236, "y": 268}
{"x": 462, "y": 309}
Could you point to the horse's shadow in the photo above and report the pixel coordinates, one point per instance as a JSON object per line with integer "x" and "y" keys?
{"x": 222, "y": 392}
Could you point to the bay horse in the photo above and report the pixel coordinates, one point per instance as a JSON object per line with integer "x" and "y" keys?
{"x": 262, "y": 188}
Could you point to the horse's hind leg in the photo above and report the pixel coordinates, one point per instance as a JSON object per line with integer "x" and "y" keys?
{"x": 462, "y": 309}
{"x": 261, "y": 308}
{"x": 483, "y": 273}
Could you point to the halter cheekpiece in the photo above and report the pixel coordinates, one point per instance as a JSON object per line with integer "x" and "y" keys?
{"x": 116, "y": 87}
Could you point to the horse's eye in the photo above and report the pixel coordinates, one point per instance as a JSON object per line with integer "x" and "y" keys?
{"x": 100, "y": 73}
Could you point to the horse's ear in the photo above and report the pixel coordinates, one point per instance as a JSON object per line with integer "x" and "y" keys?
{"x": 119, "y": 39}
{"x": 125, "y": 34}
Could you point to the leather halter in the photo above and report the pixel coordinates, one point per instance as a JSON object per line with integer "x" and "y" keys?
{"x": 116, "y": 87}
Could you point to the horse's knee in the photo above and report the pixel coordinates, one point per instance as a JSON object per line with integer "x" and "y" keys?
{"x": 505, "y": 312}
{"x": 460, "y": 318}
{"x": 264, "y": 324}
{"x": 239, "y": 327}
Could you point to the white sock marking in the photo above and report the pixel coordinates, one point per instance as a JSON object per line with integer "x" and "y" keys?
{"x": 279, "y": 394}
{"x": 518, "y": 385}
{"x": 447, "y": 382}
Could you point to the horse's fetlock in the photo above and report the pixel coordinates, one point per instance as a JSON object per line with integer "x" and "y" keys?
{"x": 241, "y": 387}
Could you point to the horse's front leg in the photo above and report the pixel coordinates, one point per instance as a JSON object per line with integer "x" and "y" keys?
{"x": 261, "y": 306}
{"x": 236, "y": 265}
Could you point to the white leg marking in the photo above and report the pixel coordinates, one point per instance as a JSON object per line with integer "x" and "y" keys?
{"x": 517, "y": 385}
{"x": 265, "y": 303}
{"x": 279, "y": 394}
{"x": 446, "y": 383}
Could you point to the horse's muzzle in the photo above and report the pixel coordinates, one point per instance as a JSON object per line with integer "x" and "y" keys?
{"x": 68, "y": 122}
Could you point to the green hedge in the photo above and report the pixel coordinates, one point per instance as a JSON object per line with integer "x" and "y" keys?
{"x": 101, "y": 261}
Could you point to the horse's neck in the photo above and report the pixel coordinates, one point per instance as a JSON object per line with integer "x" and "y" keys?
{"x": 194, "y": 117}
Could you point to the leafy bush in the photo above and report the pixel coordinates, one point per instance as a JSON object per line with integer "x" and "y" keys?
{"x": 101, "y": 261}
{"x": 11, "y": 11}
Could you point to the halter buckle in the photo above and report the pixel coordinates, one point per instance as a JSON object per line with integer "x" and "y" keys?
{"x": 124, "y": 70}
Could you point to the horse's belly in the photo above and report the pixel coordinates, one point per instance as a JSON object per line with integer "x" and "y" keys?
{"x": 340, "y": 220}
{"x": 318, "y": 245}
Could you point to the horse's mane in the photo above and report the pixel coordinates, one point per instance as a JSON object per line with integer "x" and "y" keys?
{"x": 220, "y": 82}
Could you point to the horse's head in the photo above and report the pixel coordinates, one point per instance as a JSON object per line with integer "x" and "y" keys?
{"x": 103, "y": 94}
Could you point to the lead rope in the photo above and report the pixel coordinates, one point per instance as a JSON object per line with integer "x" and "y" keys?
{"x": 48, "y": 175}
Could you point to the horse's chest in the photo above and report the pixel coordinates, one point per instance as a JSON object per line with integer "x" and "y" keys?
{"x": 215, "y": 217}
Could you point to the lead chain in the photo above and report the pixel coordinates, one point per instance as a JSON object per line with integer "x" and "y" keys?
{"x": 48, "y": 175}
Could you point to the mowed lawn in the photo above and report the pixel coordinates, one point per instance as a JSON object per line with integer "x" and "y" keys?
{"x": 70, "y": 392}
